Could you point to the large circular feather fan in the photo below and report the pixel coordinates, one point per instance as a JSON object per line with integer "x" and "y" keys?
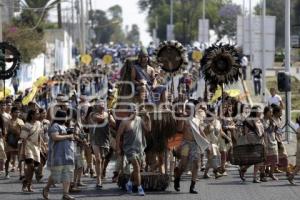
{"x": 10, "y": 55}
{"x": 221, "y": 64}
{"x": 171, "y": 56}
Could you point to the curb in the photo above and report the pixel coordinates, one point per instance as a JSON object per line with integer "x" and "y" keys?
{"x": 247, "y": 94}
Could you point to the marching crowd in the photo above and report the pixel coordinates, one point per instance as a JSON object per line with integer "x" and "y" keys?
{"x": 75, "y": 136}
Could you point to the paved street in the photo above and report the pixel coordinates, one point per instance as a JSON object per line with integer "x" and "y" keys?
{"x": 225, "y": 188}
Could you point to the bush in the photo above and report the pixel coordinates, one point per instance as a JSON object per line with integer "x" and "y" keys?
{"x": 279, "y": 56}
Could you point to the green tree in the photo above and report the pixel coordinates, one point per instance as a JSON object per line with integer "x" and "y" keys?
{"x": 228, "y": 14}
{"x": 133, "y": 36}
{"x": 115, "y": 14}
{"x": 26, "y": 31}
{"x": 186, "y": 16}
{"x": 30, "y": 43}
{"x": 101, "y": 25}
{"x": 108, "y": 25}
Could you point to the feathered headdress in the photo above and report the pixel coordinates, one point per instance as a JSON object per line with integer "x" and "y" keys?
{"x": 9, "y": 54}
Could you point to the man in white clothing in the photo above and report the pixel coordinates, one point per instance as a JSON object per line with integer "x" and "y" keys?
{"x": 275, "y": 99}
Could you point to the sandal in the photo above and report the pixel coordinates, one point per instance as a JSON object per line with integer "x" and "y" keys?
{"x": 291, "y": 180}
{"x": 45, "y": 194}
{"x": 67, "y": 197}
{"x": 255, "y": 180}
{"x": 30, "y": 188}
{"x": 24, "y": 186}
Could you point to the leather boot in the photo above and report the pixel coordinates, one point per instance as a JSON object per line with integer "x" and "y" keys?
{"x": 177, "y": 184}
{"x": 177, "y": 179}
{"x": 192, "y": 188}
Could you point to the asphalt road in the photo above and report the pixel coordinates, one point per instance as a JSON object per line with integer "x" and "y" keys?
{"x": 226, "y": 188}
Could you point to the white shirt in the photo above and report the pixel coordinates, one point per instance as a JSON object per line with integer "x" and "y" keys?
{"x": 276, "y": 99}
{"x": 244, "y": 61}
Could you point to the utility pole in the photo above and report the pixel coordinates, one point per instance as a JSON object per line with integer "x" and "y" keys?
{"x": 2, "y": 84}
{"x": 250, "y": 37}
{"x": 82, "y": 29}
{"x": 288, "y": 61}
{"x": 171, "y": 12}
{"x": 1, "y": 5}
{"x": 203, "y": 21}
{"x": 59, "y": 18}
{"x": 263, "y": 48}
{"x": 244, "y": 15}
{"x": 72, "y": 21}
{"x": 86, "y": 20}
{"x": 203, "y": 10}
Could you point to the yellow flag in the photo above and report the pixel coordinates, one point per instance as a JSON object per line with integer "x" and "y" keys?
{"x": 107, "y": 59}
{"x": 40, "y": 81}
{"x": 7, "y": 93}
{"x": 197, "y": 56}
{"x": 30, "y": 96}
{"x": 86, "y": 59}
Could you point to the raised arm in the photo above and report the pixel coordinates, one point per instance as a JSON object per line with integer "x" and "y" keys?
{"x": 55, "y": 136}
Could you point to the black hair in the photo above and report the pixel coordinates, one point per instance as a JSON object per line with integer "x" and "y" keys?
{"x": 14, "y": 109}
{"x": 267, "y": 109}
{"x": 276, "y": 109}
{"x": 254, "y": 111}
{"x": 30, "y": 115}
{"x": 60, "y": 117}
{"x": 18, "y": 100}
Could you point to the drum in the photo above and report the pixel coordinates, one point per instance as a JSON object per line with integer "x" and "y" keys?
{"x": 150, "y": 181}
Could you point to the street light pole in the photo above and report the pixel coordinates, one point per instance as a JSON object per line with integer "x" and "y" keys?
{"x": 288, "y": 60}
{"x": 1, "y": 20}
{"x": 171, "y": 12}
{"x": 203, "y": 18}
{"x": 203, "y": 10}
{"x": 263, "y": 16}
{"x": 82, "y": 29}
{"x": 250, "y": 36}
{"x": 243, "y": 31}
